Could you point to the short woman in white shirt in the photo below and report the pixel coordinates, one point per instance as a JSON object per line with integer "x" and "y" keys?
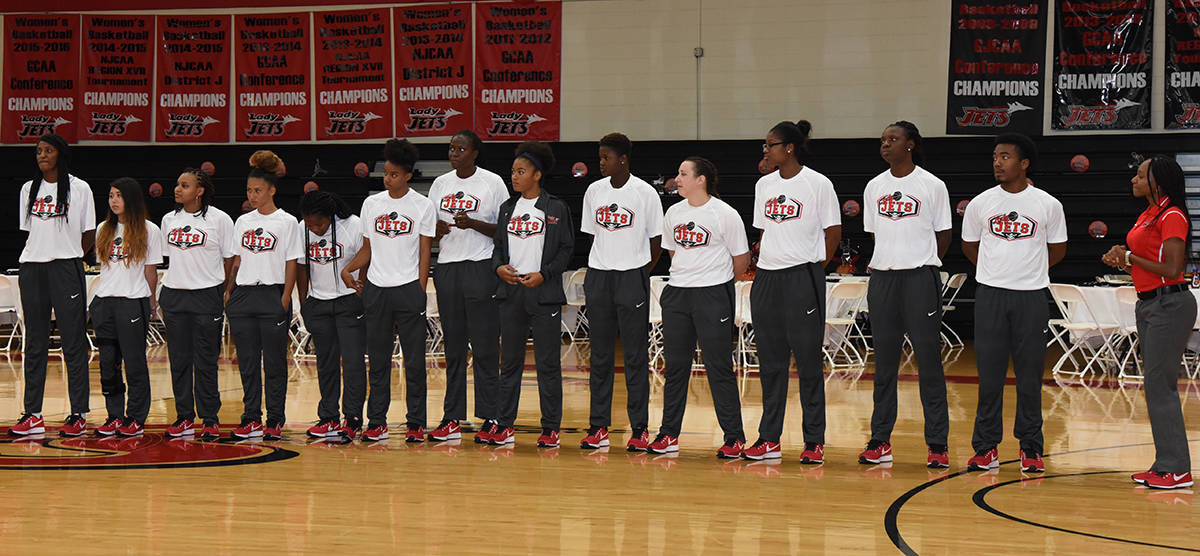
{"x": 58, "y": 211}
{"x": 332, "y": 311}
{"x": 258, "y": 299}
{"x": 797, "y": 211}
{"x": 198, "y": 242}
{"x": 128, "y": 249}
{"x": 707, "y": 242}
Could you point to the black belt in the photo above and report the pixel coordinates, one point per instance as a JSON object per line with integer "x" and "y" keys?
{"x": 1151, "y": 294}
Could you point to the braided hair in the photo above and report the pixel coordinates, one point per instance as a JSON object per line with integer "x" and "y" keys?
{"x": 328, "y": 205}
{"x": 1168, "y": 177}
{"x": 205, "y": 181}
{"x": 910, "y": 131}
{"x": 63, "y": 199}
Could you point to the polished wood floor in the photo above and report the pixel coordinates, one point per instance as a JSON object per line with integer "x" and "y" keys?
{"x": 391, "y": 497}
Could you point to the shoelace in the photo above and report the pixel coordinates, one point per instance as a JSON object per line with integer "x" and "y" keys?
{"x": 73, "y": 418}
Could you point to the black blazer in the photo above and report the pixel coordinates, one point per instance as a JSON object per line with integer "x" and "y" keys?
{"x": 556, "y": 254}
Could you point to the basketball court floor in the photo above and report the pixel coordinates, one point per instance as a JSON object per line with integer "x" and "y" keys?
{"x": 151, "y": 495}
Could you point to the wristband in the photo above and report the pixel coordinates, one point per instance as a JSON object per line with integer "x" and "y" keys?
{"x": 1127, "y": 263}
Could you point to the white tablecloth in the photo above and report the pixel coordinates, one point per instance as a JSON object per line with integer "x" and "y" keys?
{"x": 1107, "y": 309}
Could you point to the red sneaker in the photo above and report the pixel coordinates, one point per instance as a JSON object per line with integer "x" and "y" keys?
{"x": 638, "y": 442}
{"x": 1169, "y": 480}
{"x": 1031, "y": 462}
{"x": 763, "y": 449}
{"x": 548, "y": 439}
{"x": 447, "y": 431}
{"x": 250, "y": 428}
{"x": 211, "y": 430}
{"x": 731, "y": 450}
{"x": 376, "y": 433}
{"x": 813, "y": 453}
{"x": 1141, "y": 478}
{"x": 939, "y": 458}
{"x": 131, "y": 427}
{"x": 502, "y": 436}
{"x": 76, "y": 425}
{"x": 484, "y": 434}
{"x": 181, "y": 427}
{"x": 273, "y": 431}
{"x": 414, "y": 434}
{"x": 29, "y": 424}
{"x": 329, "y": 427}
{"x": 110, "y": 426}
{"x": 351, "y": 428}
{"x": 878, "y": 451}
{"x": 597, "y": 437}
{"x": 983, "y": 460}
{"x": 663, "y": 443}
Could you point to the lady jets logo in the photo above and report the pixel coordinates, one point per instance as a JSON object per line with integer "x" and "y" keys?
{"x": 898, "y": 205}
{"x": 259, "y": 240}
{"x": 1012, "y": 226}
{"x": 459, "y": 202}
{"x": 393, "y": 224}
{"x": 186, "y": 237}
{"x": 691, "y": 235}
{"x": 782, "y": 208}
{"x": 613, "y": 217}
{"x": 525, "y": 226}
{"x": 324, "y": 251}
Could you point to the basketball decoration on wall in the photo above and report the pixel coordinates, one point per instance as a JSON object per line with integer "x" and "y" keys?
{"x": 208, "y": 168}
{"x": 311, "y": 186}
{"x": 961, "y": 207}
{"x": 670, "y": 187}
{"x": 579, "y": 170}
{"x": 1080, "y": 163}
{"x": 361, "y": 170}
{"x": 246, "y": 206}
{"x": 281, "y": 171}
{"x": 851, "y": 208}
{"x": 763, "y": 167}
{"x": 155, "y": 190}
{"x": 1098, "y": 229}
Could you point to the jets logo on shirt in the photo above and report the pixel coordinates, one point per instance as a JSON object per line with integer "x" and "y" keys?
{"x": 324, "y": 251}
{"x": 459, "y": 203}
{"x": 393, "y": 224}
{"x": 186, "y": 237}
{"x": 614, "y": 217}
{"x": 117, "y": 253}
{"x": 1012, "y": 226}
{"x": 524, "y": 226}
{"x": 45, "y": 208}
{"x": 691, "y": 235}
{"x": 782, "y": 208}
{"x": 259, "y": 240}
{"x": 898, "y": 205}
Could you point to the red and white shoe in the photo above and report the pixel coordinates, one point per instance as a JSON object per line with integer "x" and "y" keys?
{"x": 1141, "y": 478}
{"x": 110, "y": 426}
{"x": 376, "y": 433}
{"x": 548, "y": 439}
{"x": 763, "y": 449}
{"x": 181, "y": 427}
{"x": 273, "y": 431}
{"x": 878, "y": 451}
{"x": 1169, "y": 480}
{"x": 638, "y": 442}
{"x": 813, "y": 453}
{"x": 250, "y": 428}
{"x": 447, "y": 431}
{"x": 211, "y": 430}
{"x": 731, "y": 450}
{"x": 939, "y": 458}
{"x": 330, "y": 427}
{"x": 503, "y": 436}
{"x": 29, "y": 424}
{"x": 485, "y": 432}
{"x": 351, "y": 428}
{"x": 663, "y": 443}
{"x": 414, "y": 434}
{"x": 597, "y": 437}
{"x": 131, "y": 427}
{"x": 76, "y": 425}
{"x": 1031, "y": 462}
{"x": 983, "y": 460}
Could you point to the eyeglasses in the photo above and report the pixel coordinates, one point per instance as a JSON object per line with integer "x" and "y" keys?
{"x": 767, "y": 146}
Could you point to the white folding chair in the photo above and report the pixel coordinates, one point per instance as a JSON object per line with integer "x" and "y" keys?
{"x": 950, "y": 290}
{"x": 435, "y": 345}
{"x": 747, "y": 354}
{"x": 1127, "y": 299}
{"x": 297, "y": 331}
{"x": 1083, "y": 329}
{"x": 655, "y": 345}
{"x": 10, "y": 302}
{"x": 90, "y": 287}
{"x": 575, "y": 325}
{"x": 842, "y": 324}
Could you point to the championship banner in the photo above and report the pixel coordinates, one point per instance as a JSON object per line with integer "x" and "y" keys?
{"x": 41, "y": 77}
{"x": 997, "y": 52}
{"x": 354, "y": 74}
{"x": 1183, "y": 65}
{"x": 433, "y": 70}
{"x": 518, "y": 52}
{"x": 116, "y": 77}
{"x": 193, "y": 78}
{"x": 1102, "y": 56}
{"x": 271, "y": 62}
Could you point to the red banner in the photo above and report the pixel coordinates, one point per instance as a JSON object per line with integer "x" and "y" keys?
{"x": 41, "y": 77}
{"x": 116, "y": 77}
{"x": 353, "y": 74}
{"x": 193, "y": 78}
{"x": 272, "y": 68}
{"x": 433, "y": 70}
{"x": 518, "y": 57}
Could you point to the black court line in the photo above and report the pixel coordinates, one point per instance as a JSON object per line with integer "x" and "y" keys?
{"x": 980, "y": 500}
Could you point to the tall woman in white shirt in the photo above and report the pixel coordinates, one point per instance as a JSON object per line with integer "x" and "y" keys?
{"x": 258, "y": 299}
{"x": 128, "y": 249}
{"x": 198, "y": 242}
{"x": 707, "y": 242}
{"x": 58, "y": 211}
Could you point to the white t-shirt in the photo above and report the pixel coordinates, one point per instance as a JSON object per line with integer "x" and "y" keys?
{"x": 54, "y": 233}
{"x": 265, "y": 242}
{"x": 704, "y": 240}
{"x": 793, "y": 215}
{"x": 395, "y": 227}
{"x": 197, "y": 246}
{"x": 904, "y": 214}
{"x": 480, "y": 197}
{"x": 1013, "y": 230}
{"x": 622, "y": 220}
{"x": 118, "y": 280}
{"x": 326, "y": 259}
{"x": 526, "y": 236}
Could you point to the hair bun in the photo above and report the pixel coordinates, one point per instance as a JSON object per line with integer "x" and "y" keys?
{"x": 804, "y": 126}
{"x": 266, "y": 161}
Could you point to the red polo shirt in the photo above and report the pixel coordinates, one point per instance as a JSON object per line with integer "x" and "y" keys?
{"x": 1146, "y": 239}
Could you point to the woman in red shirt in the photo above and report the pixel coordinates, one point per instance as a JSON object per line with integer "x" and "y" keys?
{"x": 1166, "y": 311}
